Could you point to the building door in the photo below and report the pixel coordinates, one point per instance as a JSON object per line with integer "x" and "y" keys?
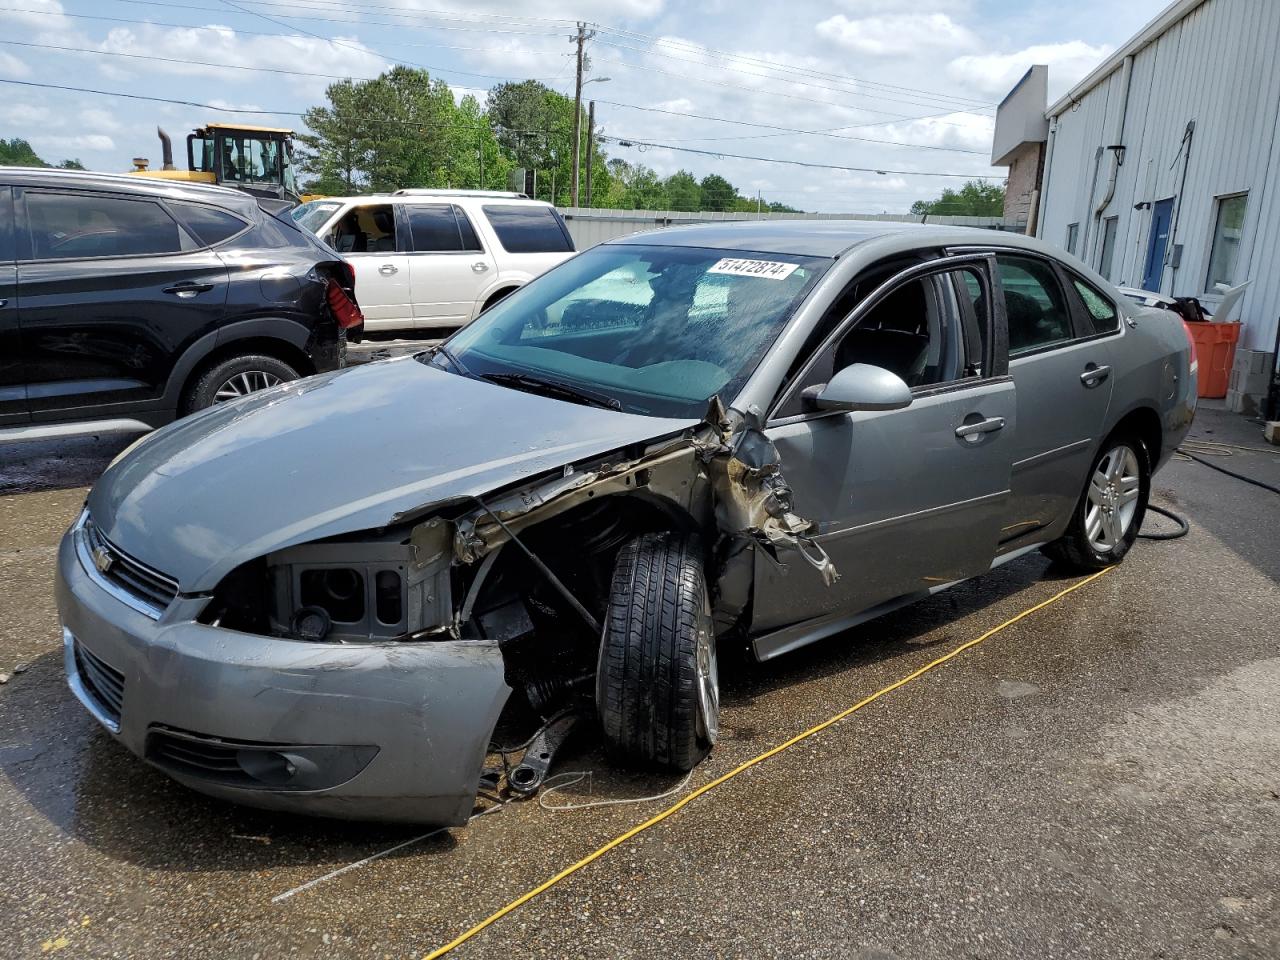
{"x": 1161, "y": 218}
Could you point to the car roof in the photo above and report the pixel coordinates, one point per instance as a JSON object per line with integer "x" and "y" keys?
{"x": 823, "y": 238}
{"x": 146, "y": 186}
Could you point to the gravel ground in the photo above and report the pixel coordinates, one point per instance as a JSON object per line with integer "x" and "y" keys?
{"x": 1100, "y": 779}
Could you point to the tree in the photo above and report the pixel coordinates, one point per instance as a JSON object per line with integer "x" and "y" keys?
{"x": 19, "y": 153}
{"x": 977, "y": 198}
{"x": 401, "y": 129}
{"x": 682, "y": 192}
{"x": 718, "y": 194}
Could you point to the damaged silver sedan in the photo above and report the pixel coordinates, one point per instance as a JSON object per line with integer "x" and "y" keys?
{"x": 327, "y": 596}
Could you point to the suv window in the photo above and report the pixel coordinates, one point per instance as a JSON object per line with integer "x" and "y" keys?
{"x": 368, "y": 228}
{"x": 437, "y": 228}
{"x": 6, "y": 224}
{"x": 67, "y": 226}
{"x": 209, "y": 224}
{"x": 1034, "y": 303}
{"x": 528, "y": 229}
{"x": 1101, "y": 311}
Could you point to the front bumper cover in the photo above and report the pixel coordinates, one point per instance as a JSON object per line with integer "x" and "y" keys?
{"x": 376, "y": 731}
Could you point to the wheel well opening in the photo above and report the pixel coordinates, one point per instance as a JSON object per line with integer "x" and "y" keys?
{"x": 496, "y": 296}
{"x": 1145, "y": 424}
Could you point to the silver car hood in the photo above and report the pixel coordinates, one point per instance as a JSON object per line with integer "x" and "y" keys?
{"x": 336, "y": 454}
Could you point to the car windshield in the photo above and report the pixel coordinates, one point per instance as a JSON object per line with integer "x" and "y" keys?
{"x": 654, "y": 330}
{"x": 314, "y": 214}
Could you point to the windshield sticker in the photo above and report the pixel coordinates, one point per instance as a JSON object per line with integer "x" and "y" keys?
{"x": 768, "y": 269}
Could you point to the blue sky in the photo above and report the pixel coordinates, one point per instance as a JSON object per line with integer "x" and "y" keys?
{"x": 924, "y": 74}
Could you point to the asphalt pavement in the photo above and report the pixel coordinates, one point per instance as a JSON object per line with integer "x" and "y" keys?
{"x": 1100, "y": 778}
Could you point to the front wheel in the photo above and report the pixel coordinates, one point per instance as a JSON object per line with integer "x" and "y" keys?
{"x": 657, "y": 684}
{"x": 1107, "y": 519}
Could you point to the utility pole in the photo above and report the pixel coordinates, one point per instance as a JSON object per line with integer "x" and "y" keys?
{"x": 580, "y": 39}
{"x": 591, "y": 144}
{"x": 759, "y": 200}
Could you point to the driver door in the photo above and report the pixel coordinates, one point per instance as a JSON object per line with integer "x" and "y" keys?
{"x": 906, "y": 500}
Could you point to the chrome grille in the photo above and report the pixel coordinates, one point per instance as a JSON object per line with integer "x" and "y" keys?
{"x": 150, "y": 588}
{"x": 101, "y": 681}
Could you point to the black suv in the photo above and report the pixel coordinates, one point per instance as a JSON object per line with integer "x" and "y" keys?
{"x": 127, "y": 301}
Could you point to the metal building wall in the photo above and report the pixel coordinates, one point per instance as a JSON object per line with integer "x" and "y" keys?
{"x": 1216, "y": 67}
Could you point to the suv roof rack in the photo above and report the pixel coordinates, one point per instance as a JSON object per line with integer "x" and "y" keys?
{"x": 423, "y": 192}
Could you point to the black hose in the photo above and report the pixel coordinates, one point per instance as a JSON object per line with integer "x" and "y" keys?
{"x": 1183, "y": 527}
{"x": 1229, "y": 473}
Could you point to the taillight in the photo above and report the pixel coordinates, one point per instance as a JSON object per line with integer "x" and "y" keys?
{"x": 344, "y": 309}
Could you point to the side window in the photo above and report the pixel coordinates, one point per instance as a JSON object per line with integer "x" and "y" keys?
{"x": 67, "y": 226}
{"x": 1073, "y": 233}
{"x": 210, "y": 225}
{"x": 1101, "y": 311}
{"x": 367, "y": 229}
{"x": 528, "y": 229}
{"x": 470, "y": 241}
{"x": 917, "y": 331}
{"x": 1228, "y": 227}
{"x": 434, "y": 228}
{"x": 6, "y": 224}
{"x": 1035, "y": 305}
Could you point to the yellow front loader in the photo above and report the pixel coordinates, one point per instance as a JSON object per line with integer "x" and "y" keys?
{"x": 257, "y": 160}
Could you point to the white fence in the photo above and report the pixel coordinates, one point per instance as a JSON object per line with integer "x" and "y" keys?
{"x": 590, "y": 226}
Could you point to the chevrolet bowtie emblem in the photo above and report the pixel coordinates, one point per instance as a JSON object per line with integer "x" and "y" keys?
{"x": 102, "y": 560}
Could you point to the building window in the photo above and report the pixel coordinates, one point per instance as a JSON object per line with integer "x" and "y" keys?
{"x": 1109, "y": 227}
{"x": 1073, "y": 231}
{"x": 1227, "y": 230}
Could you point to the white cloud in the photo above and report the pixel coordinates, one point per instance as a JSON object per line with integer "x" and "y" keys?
{"x": 47, "y": 15}
{"x": 11, "y": 66}
{"x": 963, "y": 131}
{"x": 84, "y": 141}
{"x": 996, "y": 73}
{"x": 894, "y": 35}
{"x": 98, "y": 121}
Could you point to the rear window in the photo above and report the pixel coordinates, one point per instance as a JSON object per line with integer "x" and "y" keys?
{"x": 314, "y": 214}
{"x": 437, "y": 228}
{"x": 1101, "y": 311}
{"x": 209, "y": 224}
{"x": 67, "y": 226}
{"x": 528, "y": 229}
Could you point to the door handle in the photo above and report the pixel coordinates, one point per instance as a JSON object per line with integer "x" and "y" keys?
{"x": 387, "y": 269}
{"x": 1094, "y": 375}
{"x": 188, "y": 289}
{"x": 972, "y": 432}
{"x": 479, "y": 266}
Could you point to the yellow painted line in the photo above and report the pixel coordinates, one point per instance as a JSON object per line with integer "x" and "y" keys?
{"x": 747, "y": 765}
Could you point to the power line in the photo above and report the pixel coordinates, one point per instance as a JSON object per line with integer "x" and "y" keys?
{"x": 643, "y": 144}
{"x": 770, "y": 126}
{"x": 236, "y": 66}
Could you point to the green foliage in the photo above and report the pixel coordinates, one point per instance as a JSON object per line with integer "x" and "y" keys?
{"x": 18, "y": 153}
{"x": 403, "y": 129}
{"x": 977, "y": 198}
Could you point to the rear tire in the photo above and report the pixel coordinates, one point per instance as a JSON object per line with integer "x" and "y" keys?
{"x": 657, "y": 685}
{"x": 236, "y": 377}
{"x": 1109, "y": 515}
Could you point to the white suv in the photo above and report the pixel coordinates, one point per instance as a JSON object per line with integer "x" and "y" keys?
{"x": 436, "y": 258}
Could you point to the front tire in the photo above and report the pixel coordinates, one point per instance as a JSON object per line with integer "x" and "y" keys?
{"x": 237, "y": 377}
{"x": 1109, "y": 515}
{"x": 657, "y": 683}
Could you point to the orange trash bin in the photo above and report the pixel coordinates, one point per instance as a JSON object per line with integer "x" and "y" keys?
{"x": 1213, "y": 347}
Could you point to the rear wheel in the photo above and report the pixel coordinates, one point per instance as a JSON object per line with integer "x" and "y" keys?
{"x": 657, "y": 686}
{"x": 237, "y": 377}
{"x": 1111, "y": 508}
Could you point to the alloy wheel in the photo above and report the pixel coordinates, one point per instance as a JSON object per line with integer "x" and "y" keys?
{"x": 1113, "y": 495}
{"x": 243, "y": 384}
{"x": 706, "y": 672}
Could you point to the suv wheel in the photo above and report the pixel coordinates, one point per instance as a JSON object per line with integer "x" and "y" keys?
{"x": 237, "y": 377}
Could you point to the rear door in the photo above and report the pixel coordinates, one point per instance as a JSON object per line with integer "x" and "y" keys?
{"x": 532, "y": 238}
{"x": 905, "y": 500}
{"x": 112, "y": 291}
{"x": 372, "y": 237}
{"x": 13, "y": 389}
{"x": 1063, "y": 373}
{"x": 449, "y": 267}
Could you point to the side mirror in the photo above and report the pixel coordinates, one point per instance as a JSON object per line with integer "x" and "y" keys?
{"x": 861, "y": 386}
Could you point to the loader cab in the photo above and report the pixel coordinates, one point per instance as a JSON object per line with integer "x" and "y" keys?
{"x": 257, "y": 160}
